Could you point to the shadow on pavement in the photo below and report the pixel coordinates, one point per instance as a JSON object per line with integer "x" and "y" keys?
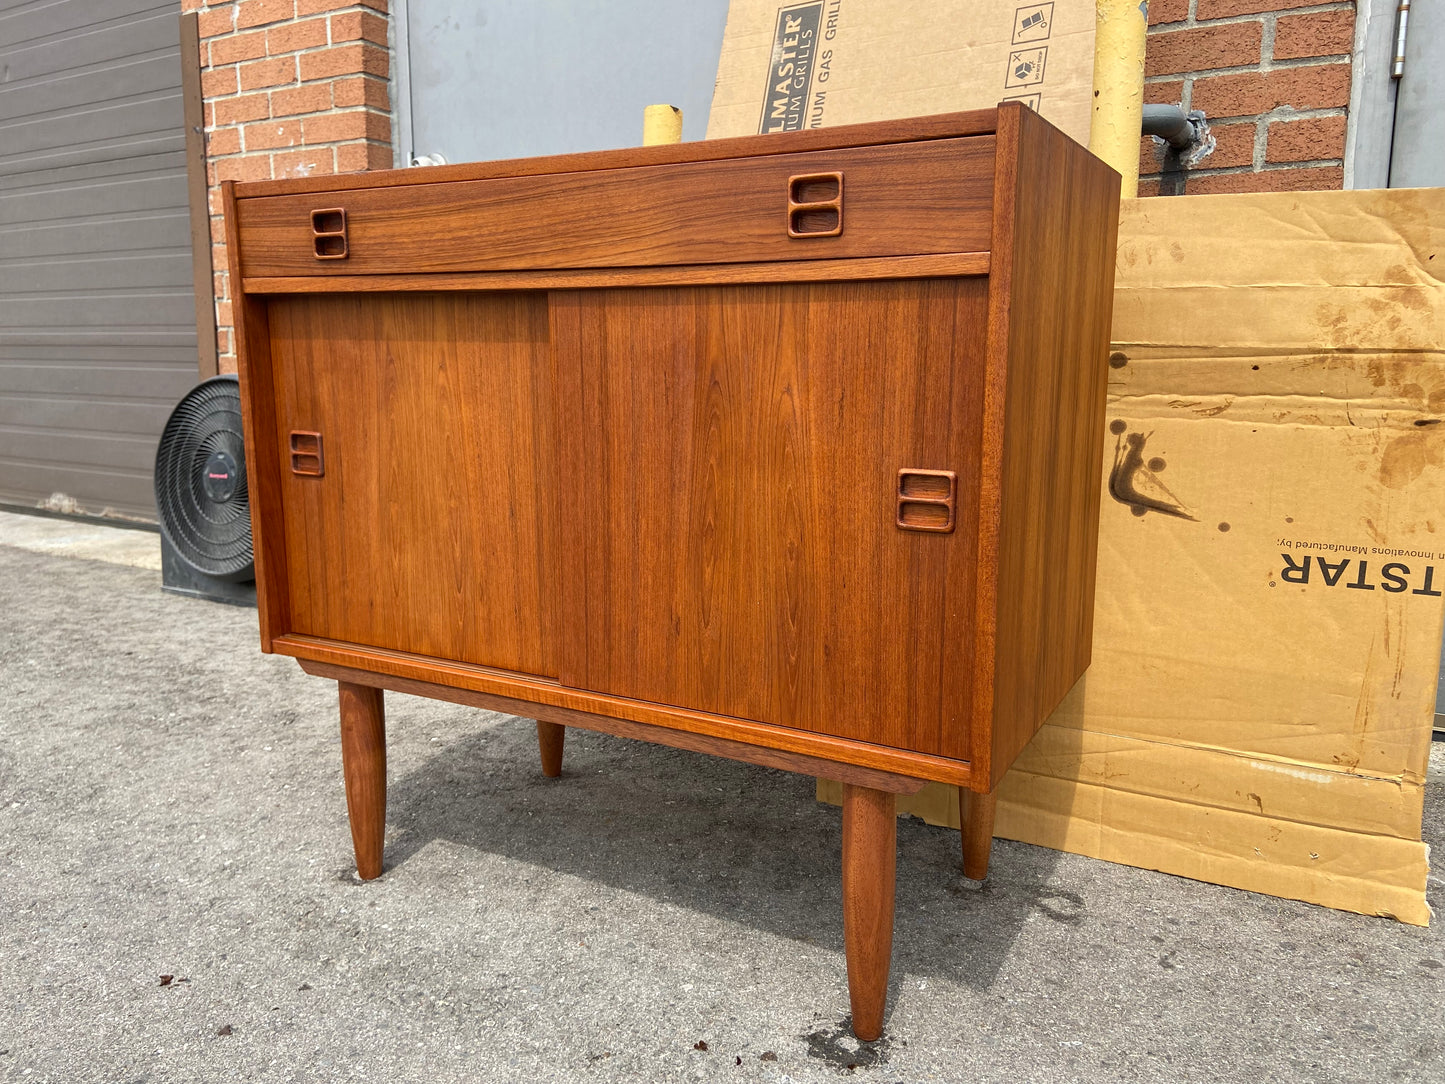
{"x": 742, "y": 843}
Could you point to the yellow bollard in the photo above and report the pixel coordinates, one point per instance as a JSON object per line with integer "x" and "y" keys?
{"x": 1119, "y": 31}
{"x": 661, "y": 124}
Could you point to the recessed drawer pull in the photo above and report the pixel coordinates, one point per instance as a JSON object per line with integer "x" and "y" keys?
{"x": 306, "y": 459}
{"x": 926, "y": 500}
{"x": 815, "y": 205}
{"x": 328, "y": 233}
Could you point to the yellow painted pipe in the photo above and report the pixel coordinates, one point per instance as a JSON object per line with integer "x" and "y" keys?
{"x": 661, "y": 124}
{"x": 1119, "y": 30}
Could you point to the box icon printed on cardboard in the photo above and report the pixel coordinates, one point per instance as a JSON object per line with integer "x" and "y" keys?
{"x": 785, "y": 67}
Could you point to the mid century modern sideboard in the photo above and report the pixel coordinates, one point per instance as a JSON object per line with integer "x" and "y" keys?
{"x": 783, "y": 448}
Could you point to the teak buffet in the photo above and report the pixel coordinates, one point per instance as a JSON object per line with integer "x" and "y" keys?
{"x": 783, "y": 448}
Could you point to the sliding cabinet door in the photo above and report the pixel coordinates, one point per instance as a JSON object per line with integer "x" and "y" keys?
{"x": 419, "y": 494}
{"x": 730, "y": 473}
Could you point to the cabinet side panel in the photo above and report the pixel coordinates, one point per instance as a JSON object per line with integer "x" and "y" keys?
{"x": 1061, "y": 280}
{"x": 742, "y": 459}
{"x": 254, "y": 372}
{"x": 432, "y": 527}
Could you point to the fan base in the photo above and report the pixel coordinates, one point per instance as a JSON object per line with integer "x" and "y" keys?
{"x": 179, "y": 578}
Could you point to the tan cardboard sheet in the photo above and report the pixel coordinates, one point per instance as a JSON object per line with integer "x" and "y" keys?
{"x": 786, "y": 66}
{"x": 1271, "y": 560}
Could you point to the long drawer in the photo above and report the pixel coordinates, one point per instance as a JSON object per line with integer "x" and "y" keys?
{"x": 891, "y": 200}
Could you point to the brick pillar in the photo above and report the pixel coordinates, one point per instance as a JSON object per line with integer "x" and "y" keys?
{"x": 293, "y": 88}
{"x": 1274, "y": 84}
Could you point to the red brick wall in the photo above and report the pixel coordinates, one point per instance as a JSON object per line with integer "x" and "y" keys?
{"x": 1273, "y": 79}
{"x": 293, "y": 88}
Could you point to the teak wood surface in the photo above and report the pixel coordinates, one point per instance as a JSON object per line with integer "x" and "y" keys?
{"x": 854, "y": 270}
{"x": 448, "y": 546}
{"x": 734, "y": 468}
{"x": 561, "y": 718}
{"x": 870, "y": 857}
{"x": 363, "y": 763}
{"x": 605, "y": 446}
{"x": 900, "y": 199}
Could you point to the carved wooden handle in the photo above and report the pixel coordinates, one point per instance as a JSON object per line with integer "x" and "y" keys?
{"x": 815, "y": 205}
{"x": 328, "y": 233}
{"x": 926, "y": 499}
{"x": 306, "y": 457}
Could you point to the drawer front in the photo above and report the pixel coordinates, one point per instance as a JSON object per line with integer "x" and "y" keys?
{"x": 892, "y": 200}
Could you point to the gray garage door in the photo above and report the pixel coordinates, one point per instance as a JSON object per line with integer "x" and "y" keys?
{"x": 97, "y": 318}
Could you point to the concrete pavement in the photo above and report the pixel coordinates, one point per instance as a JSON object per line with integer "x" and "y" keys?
{"x": 171, "y": 805}
{"x": 78, "y": 538}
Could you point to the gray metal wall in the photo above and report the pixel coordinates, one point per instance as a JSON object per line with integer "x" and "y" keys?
{"x": 1392, "y": 140}
{"x": 1417, "y": 158}
{"x": 514, "y": 78}
{"x": 97, "y": 317}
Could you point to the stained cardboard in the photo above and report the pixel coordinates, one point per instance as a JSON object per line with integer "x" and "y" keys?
{"x": 1271, "y": 560}
{"x": 786, "y": 66}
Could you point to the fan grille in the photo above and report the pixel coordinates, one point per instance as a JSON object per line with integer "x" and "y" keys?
{"x": 208, "y": 520}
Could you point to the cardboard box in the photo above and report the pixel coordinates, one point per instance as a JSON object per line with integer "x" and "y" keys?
{"x": 1271, "y": 560}
{"x": 786, "y": 66}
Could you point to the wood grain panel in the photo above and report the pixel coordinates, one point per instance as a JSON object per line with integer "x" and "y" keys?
{"x": 545, "y": 695}
{"x": 737, "y": 480}
{"x": 906, "y": 130}
{"x": 258, "y": 419}
{"x": 899, "y": 199}
{"x": 434, "y": 527}
{"x": 713, "y": 745}
{"x": 1058, "y": 215}
{"x": 882, "y": 267}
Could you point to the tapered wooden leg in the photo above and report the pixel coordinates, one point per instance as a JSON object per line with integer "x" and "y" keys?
{"x": 975, "y": 815}
{"x": 363, "y": 762}
{"x": 550, "y": 737}
{"x": 870, "y": 835}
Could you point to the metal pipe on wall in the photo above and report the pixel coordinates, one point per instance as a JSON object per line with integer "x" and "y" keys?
{"x": 1182, "y": 131}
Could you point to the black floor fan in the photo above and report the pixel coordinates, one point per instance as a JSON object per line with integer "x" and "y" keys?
{"x": 201, "y": 495}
